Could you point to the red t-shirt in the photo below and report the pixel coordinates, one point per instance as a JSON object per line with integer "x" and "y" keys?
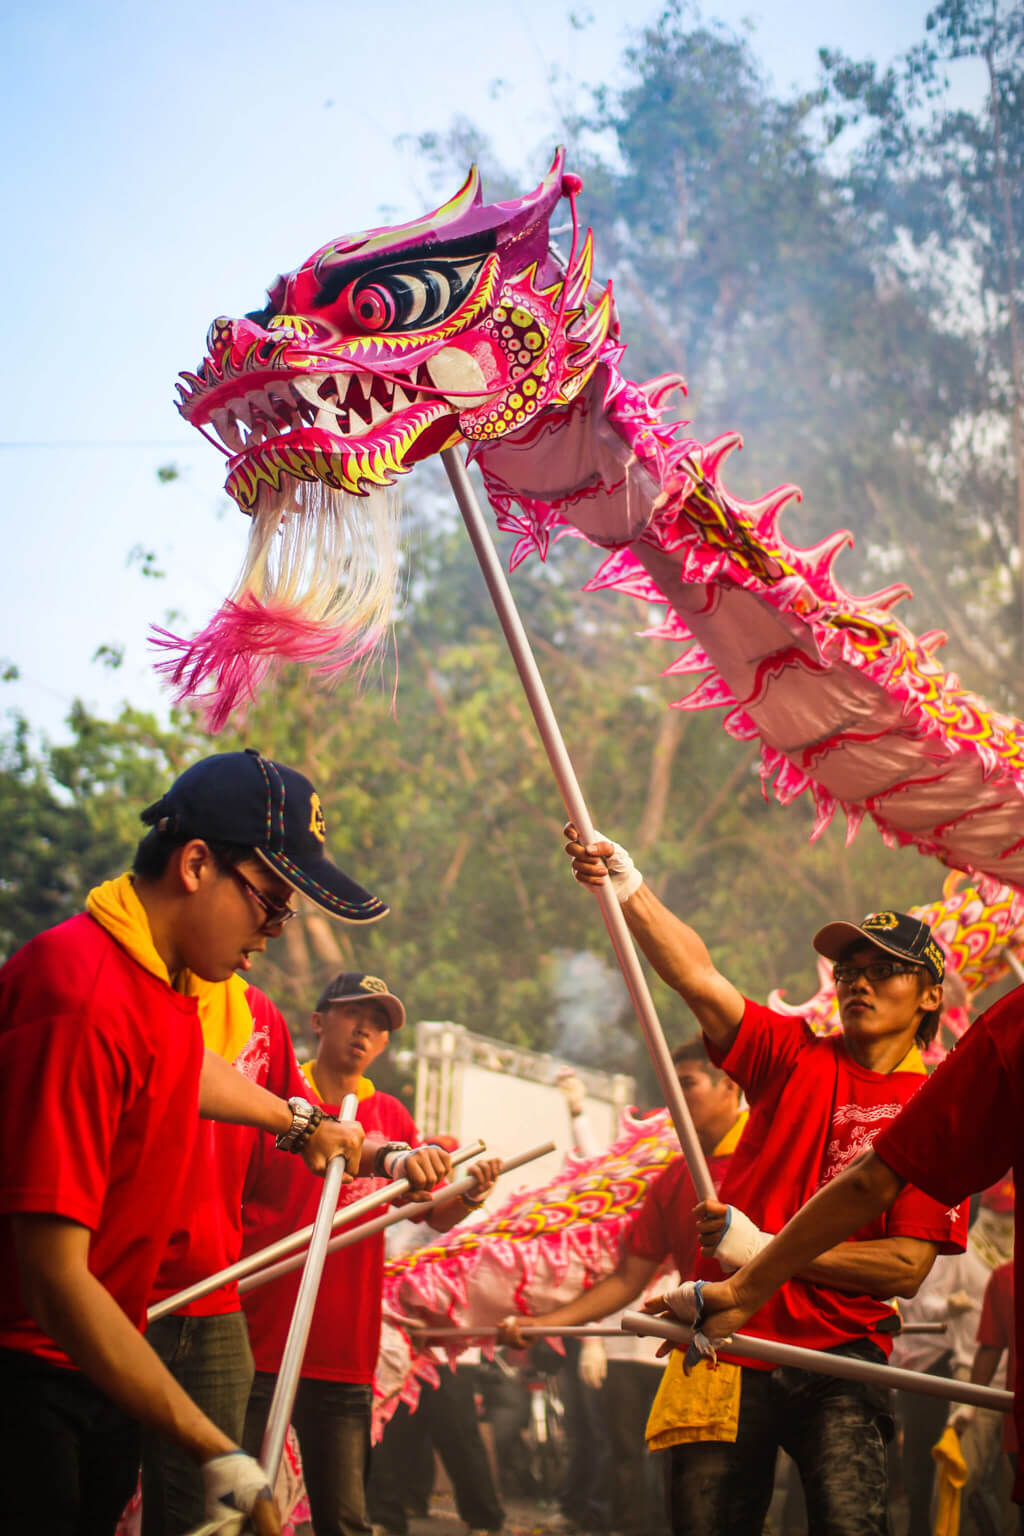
{"x": 664, "y": 1224}
{"x": 209, "y": 1236}
{"x": 996, "y": 1330}
{"x": 99, "y": 1106}
{"x": 813, "y": 1110}
{"x": 281, "y": 1197}
{"x": 966, "y": 1127}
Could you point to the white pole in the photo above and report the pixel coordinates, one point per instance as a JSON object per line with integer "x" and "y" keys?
{"x": 845, "y": 1366}
{"x": 295, "y": 1240}
{"x": 381, "y": 1223}
{"x": 576, "y": 807}
{"x": 287, "y": 1383}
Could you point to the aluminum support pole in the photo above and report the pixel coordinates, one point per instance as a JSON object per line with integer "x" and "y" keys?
{"x": 576, "y": 808}
{"x": 824, "y": 1364}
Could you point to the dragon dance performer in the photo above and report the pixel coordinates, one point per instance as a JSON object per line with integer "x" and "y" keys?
{"x": 353, "y": 1022}
{"x": 102, "y": 1071}
{"x": 662, "y": 1229}
{"x": 815, "y": 1104}
{"x": 958, "y": 1135}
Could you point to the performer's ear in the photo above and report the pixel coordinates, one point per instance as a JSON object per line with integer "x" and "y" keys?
{"x": 317, "y": 1021}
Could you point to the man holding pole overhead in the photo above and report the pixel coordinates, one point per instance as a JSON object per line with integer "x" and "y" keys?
{"x": 103, "y": 1067}
{"x": 353, "y": 1021}
{"x": 815, "y": 1104}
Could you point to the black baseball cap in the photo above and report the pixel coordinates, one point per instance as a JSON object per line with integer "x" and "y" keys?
{"x": 243, "y": 797}
{"x": 354, "y": 987}
{"x": 896, "y": 932}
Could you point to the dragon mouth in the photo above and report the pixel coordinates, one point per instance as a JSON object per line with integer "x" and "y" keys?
{"x": 349, "y": 430}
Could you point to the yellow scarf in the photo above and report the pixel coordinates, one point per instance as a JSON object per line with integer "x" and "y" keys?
{"x": 364, "y": 1087}
{"x": 950, "y": 1477}
{"x": 224, "y": 1015}
{"x": 706, "y": 1405}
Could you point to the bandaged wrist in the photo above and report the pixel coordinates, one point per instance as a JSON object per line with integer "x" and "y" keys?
{"x": 390, "y": 1160}
{"x": 622, "y": 872}
{"x": 739, "y": 1241}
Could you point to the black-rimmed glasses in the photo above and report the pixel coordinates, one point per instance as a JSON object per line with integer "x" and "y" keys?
{"x": 277, "y": 913}
{"x": 875, "y": 970}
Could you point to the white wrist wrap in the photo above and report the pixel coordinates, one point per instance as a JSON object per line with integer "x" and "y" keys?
{"x": 231, "y": 1485}
{"x": 740, "y": 1241}
{"x": 622, "y": 872}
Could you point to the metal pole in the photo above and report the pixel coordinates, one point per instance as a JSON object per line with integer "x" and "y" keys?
{"x": 295, "y": 1240}
{"x": 845, "y": 1366}
{"x": 576, "y": 807}
{"x": 587, "y": 1331}
{"x": 381, "y": 1223}
{"x": 287, "y": 1383}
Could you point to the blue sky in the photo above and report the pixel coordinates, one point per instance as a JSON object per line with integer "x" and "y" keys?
{"x": 168, "y": 163}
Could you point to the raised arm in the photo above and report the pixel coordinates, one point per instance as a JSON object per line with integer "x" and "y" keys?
{"x": 676, "y": 951}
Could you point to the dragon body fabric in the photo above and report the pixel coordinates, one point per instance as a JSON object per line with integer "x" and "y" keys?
{"x": 390, "y": 345}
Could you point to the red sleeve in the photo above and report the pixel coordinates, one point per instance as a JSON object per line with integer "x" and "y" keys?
{"x": 764, "y": 1052}
{"x": 958, "y": 1132}
{"x": 648, "y": 1236}
{"x": 67, "y": 1087}
{"x": 915, "y": 1214}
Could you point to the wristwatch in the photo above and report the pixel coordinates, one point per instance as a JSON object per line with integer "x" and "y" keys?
{"x": 305, "y": 1119}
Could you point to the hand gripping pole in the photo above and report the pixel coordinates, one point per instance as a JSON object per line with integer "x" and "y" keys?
{"x": 295, "y": 1240}
{"x": 369, "y": 1228}
{"x": 845, "y": 1366}
{"x": 575, "y": 805}
{"x": 287, "y": 1384}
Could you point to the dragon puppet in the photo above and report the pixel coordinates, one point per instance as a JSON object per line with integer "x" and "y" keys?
{"x": 464, "y": 326}
{"x": 544, "y": 1246}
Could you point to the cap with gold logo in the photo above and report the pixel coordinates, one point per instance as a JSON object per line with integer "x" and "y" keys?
{"x": 354, "y": 987}
{"x": 245, "y": 798}
{"x": 896, "y": 932}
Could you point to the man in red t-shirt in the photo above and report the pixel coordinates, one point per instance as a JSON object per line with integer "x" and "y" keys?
{"x": 662, "y": 1229}
{"x": 353, "y": 1022}
{"x": 815, "y": 1104}
{"x": 102, "y": 1070}
{"x": 959, "y": 1134}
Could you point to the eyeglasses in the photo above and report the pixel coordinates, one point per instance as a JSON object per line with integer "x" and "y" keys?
{"x": 846, "y": 972}
{"x": 277, "y": 913}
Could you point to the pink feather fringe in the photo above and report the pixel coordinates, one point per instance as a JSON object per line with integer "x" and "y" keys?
{"x": 225, "y": 664}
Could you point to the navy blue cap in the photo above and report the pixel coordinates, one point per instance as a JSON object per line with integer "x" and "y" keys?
{"x": 243, "y": 797}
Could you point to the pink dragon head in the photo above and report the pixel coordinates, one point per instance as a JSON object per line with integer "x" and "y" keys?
{"x": 385, "y": 346}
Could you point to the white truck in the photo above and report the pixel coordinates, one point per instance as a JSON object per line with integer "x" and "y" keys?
{"x": 469, "y": 1086}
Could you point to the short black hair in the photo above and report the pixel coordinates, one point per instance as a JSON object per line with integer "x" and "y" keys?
{"x": 153, "y": 854}
{"x": 696, "y": 1051}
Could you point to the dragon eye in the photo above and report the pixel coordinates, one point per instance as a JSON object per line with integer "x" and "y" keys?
{"x": 411, "y": 297}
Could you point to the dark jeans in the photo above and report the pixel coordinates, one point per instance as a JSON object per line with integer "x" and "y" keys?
{"x": 638, "y": 1494}
{"x": 836, "y": 1432}
{"x": 210, "y": 1358}
{"x": 447, "y": 1416}
{"x": 69, "y": 1458}
{"x": 332, "y": 1422}
{"x": 587, "y": 1495}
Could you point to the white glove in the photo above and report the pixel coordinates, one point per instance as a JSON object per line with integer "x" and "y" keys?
{"x": 622, "y": 872}
{"x": 740, "y": 1240}
{"x": 686, "y": 1301}
{"x": 962, "y": 1418}
{"x": 231, "y": 1485}
{"x": 593, "y": 1366}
